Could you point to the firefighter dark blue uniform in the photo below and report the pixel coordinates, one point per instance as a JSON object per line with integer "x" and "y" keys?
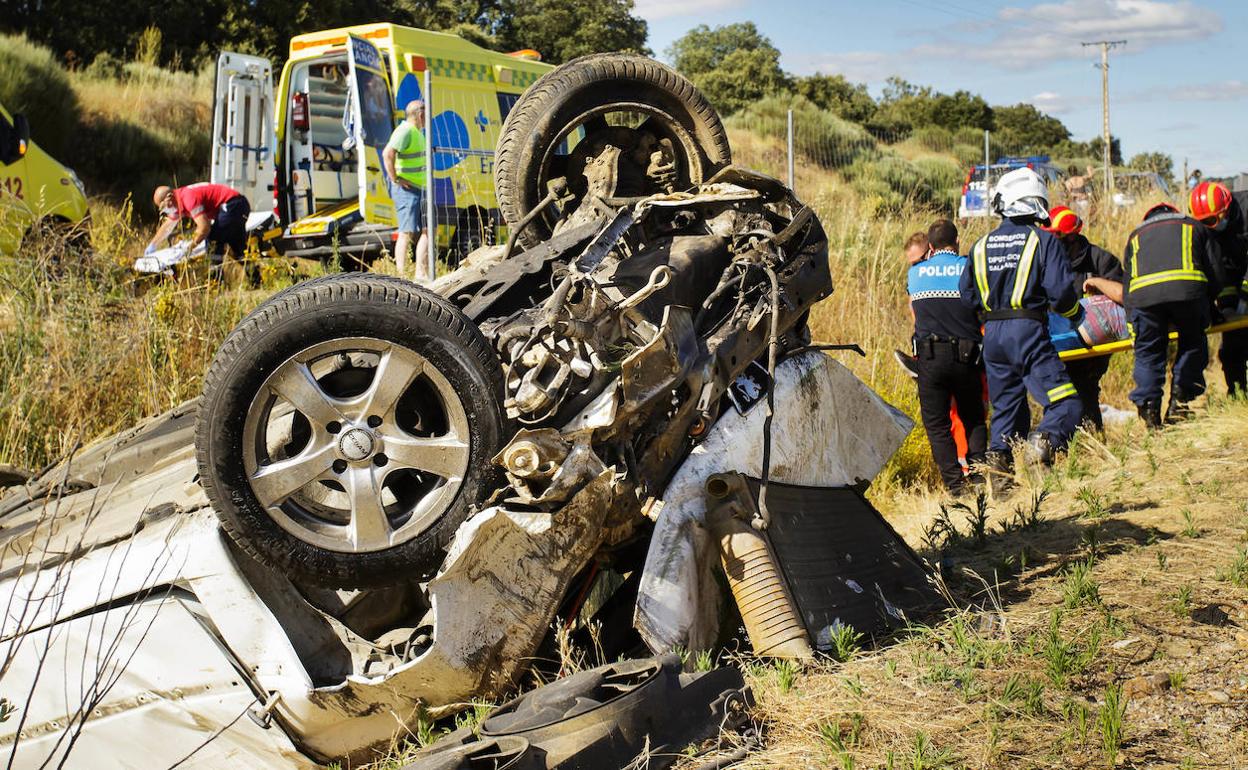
{"x": 1018, "y": 272}
{"x": 947, "y": 347}
{"x": 1174, "y": 271}
{"x": 1231, "y": 234}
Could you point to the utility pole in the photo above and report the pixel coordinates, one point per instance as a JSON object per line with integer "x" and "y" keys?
{"x": 1106, "y": 45}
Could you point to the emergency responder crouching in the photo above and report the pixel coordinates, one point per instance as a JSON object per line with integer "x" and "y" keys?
{"x": 947, "y": 343}
{"x": 1174, "y": 271}
{"x": 218, "y": 212}
{"x": 1096, "y": 272}
{"x": 1017, "y": 272}
{"x": 1222, "y": 211}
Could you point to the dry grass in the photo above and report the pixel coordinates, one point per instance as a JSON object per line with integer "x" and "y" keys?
{"x": 88, "y": 348}
{"x": 1104, "y": 598}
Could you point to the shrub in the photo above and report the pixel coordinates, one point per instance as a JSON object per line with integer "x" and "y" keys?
{"x": 934, "y": 138}
{"x": 33, "y": 82}
{"x": 818, "y": 135}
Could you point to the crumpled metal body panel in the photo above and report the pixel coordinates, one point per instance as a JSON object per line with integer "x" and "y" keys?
{"x": 123, "y": 550}
{"x": 830, "y": 429}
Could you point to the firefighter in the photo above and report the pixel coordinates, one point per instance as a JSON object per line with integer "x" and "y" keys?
{"x": 1096, "y": 272}
{"x": 1223, "y": 213}
{"x": 947, "y": 345}
{"x": 1174, "y": 271}
{"x": 1018, "y": 271}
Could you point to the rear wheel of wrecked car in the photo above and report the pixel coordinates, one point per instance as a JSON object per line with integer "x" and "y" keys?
{"x": 347, "y": 427}
{"x": 575, "y": 122}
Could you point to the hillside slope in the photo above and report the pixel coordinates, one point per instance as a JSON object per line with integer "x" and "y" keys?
{"x": 1108, "y": 629}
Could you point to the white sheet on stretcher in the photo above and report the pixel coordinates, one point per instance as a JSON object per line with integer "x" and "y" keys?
{"x": 163, "y": 260}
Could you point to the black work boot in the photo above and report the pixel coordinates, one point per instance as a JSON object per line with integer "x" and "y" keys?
{"x": 1039, "y": 449}
{"x": 1178, "y": 410}
{"x": 999, "y": 472}
{"x": 1150, "y": 413}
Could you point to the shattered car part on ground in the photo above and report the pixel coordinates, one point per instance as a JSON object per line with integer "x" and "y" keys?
{"x": 393, "y": 493}
{"x": 604, "y": 717}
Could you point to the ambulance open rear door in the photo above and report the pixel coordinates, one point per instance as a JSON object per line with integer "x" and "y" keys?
{"x": 372, "y": 121}
{"x": 242, "y": 128}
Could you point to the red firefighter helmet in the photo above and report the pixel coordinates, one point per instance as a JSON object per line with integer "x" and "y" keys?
{"x": 1209, "y": 201}
{"x": 1160, "y": 208}
{"x": 1063, "y": 221}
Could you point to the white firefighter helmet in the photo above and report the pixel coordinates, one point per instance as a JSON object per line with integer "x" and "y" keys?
{"x": 1021, "y": 192}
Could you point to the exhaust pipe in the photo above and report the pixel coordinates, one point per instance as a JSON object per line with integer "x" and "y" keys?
{"x": 771, "y": 619}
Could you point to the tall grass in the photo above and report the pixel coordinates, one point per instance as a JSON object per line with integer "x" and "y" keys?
{"x": 86, "y": 348}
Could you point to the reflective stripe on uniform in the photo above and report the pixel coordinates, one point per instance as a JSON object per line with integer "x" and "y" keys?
{"x": 1135, "y": 256}
{"x": 1074, "y": 309}
{"x": 1061, "y": 391}
{"x": 979, "y": 255}
{"x": 1023, "y": 273}
{"x": 1187, "y": 248}
{"x": 1165, "y": 276}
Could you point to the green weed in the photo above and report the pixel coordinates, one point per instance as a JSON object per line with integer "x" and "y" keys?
{"x": 1237, "y": 572}
{"x": 845, "y": 642}
{"x": 1111, "y": 723}
{"x": 1080, "y": 588}
{"x": 1095, "y": 505}
{"x": 1181, "y": 604}
{"x": 1189, "y": 524}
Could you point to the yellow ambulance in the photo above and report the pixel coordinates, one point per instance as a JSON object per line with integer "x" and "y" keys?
{"x": 310, "y": 149}
{"x": 32, "y": 184}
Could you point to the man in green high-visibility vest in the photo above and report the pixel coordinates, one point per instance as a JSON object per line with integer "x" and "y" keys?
{"x": 404, "y": 158}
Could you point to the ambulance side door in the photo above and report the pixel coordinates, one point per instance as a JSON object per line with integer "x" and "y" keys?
{"x": 242, "y": 127}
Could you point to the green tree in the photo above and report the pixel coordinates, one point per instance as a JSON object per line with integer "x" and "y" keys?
{"x": 1025, "y": 129}
{"x": 564, "y": 29}
{"x": 837, "y": 95}
{"x": 734, "y": 65}
{"x": 1158, "y": 162}
{"x": 1096, "y": 148}
{"x": 905, "y": 106}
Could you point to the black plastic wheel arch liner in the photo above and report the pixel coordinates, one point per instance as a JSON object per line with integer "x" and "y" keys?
{"x": 843, "y": 563}
{"x": 604, "y": 718}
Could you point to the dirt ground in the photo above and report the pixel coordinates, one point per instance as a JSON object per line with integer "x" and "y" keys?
{"x": 1099, "y": 618}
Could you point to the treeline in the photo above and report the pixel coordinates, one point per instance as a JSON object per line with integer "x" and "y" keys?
{"x": 194, "y": 31}
{"x": 738, "y": 68}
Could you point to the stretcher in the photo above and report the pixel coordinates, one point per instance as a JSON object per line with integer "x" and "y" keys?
{"x": 1104, "y": 349}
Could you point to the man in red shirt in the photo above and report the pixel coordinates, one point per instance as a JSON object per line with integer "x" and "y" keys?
{"x": 219, "y": 213}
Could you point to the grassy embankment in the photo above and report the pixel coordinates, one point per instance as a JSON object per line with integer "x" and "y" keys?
{"x": 1102, "y": 625}
{"x": 88, "y": 348}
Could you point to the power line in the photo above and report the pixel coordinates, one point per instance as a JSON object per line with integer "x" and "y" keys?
{"x": 1106, "y": 46}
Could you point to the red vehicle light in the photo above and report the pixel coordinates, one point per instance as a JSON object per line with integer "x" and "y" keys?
{"x": 299, "y": 111}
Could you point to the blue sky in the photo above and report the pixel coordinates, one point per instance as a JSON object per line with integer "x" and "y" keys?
{"x": 1179, "y": 85}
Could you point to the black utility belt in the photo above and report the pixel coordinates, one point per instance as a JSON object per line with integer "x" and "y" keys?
{"x": 965, "y": 351}
{"x": 1006, "y": 314}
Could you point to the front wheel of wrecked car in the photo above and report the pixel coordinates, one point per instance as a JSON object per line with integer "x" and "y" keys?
{"x": 347, "y": 428}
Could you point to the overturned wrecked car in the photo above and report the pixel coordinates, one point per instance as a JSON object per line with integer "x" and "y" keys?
{"x": 390, "y": 501}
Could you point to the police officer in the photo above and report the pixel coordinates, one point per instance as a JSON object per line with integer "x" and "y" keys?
{"x": 1223, "y": 213}
{"x": 947, "y": 345}
{"x": 1174, "y": 271}
{"x": 1096, "y": 271}
{"x": 1017, "y": 272}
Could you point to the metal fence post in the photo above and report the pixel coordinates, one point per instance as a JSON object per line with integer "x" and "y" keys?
{"x": 431, "y": 222}
{"x": 791, "y": 187}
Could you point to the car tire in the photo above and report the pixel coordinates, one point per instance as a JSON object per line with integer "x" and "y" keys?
{"x": 536, "y": 125}
{"x": 391, "y": 470}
